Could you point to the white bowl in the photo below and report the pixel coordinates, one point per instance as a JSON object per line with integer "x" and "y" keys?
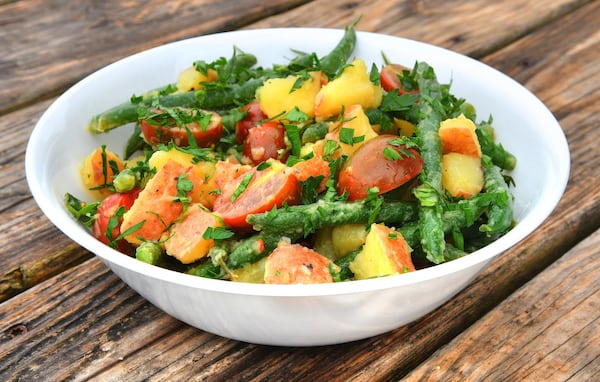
{"x": 297, "y": 315}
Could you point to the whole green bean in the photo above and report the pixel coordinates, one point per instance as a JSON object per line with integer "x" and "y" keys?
{"x": 338, "y": 57}
{"x": 253, "y": 249}
{"x": 306, "y": 219}
{"x": 430, "y": 191}
{"x": 499, "y": 155}
{"x": 500, "y": 214}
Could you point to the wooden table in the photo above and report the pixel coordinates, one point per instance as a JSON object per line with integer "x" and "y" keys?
{"x": 534, "y": 314}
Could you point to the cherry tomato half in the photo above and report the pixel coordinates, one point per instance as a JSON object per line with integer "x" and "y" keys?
{"x": 163, "y": 129}
{"x": 255, "y": 192}
{"x": 373, "y": 166}
{"x": 390, "y": 81}
{"x": 265, "y": 141}
{"x": 253, "y": 116}
{"x": 107, "y": 210}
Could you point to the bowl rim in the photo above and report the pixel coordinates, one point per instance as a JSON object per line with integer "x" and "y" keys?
{"x": 112, "y": 257}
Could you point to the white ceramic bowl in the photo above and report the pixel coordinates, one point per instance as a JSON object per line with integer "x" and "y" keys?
{"x": 297, "y": 315}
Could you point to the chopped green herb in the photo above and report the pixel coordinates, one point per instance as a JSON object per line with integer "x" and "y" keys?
{"x": 263, "y": 166}
{"x": 242, "y": 186}
{"x": 293, "y": 134}
{"x": 347, "y": 136}
{"x": 217, "y": 233}
{"x": 374, "y": 75}
{"x": 391, "y": 154}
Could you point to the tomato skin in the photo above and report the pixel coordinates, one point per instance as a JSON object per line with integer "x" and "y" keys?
{"x": 265, "y": 141}
{"x": 369, "y": 167}
{"x": 390, "y": 81}
{"x": 254, "y": 115}
{"x": 207, "y": 137}
{"x": 271, "y": 187}
{"x": 106, "y": 210}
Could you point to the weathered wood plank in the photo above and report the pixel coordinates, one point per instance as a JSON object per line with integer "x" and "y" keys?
{"x": 548, "y": 330}
{"x": 468, "y": 27}
{"x": 87, "y": 35}
{"x": 31, "y": 248}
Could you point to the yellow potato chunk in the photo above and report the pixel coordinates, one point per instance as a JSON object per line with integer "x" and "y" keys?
{"x": 191, "y": 79}
{"x": 357, "y": 121}
{"x": 458, "y": 136}
{"x": 185, "y": 240}
{"x": 202, "y": 174}
{"x": 250, "y": 273}
{"x": 352, "y": 87}
{"x": 385, "y": 253}
{"x": 96, "y": 170}
{"x": 323, "y": 244}
{"x": 462, "y": 175}
{"x": 347, "y": 238}
{"x": 277, "y": 96}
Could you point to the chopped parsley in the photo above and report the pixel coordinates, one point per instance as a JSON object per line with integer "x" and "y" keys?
{"x": 217, "y": 233}
{"x": 242, "y": 186}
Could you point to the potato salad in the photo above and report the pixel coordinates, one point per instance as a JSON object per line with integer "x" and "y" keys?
{"x": 323, "y": 169}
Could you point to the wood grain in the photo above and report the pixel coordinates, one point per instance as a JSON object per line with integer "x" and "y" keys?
{"x": 89, "y": 34}
{"x": 548, "y": 330}
{"x": 474, "y": 28}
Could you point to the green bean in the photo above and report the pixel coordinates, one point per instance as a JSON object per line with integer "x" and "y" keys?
{"x": 430, "y": 191}
{"x": 135, "y": 142}
{"x": 128, "y": 112}
{"x": 499, "y": 155}
{"x": 500, "y": 214}
{"x": 252, "y": 249}
{"x": 306, "y": 219}
{"x": 338, "y": 57}
{"x": 461, "y": 214}
{"x": 314, "y": 132}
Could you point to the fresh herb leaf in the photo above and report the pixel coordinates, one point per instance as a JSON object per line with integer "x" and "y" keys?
{"x": 296, "y": 116}
{"x": 293, "y": 134}
{"x": 263, "y": 166}
{"x": 242, "y": 186}
{"x": 329, "y": 148}
{"x": 391, "y": 154}
{"x": 392, "y": 102}
{"x": 217, "y": 233}
{"x": 374, "y": 75}
{"x": 347, "y": 136}
{"x": 310, "y": 189}
{"x": 83, "y": 212}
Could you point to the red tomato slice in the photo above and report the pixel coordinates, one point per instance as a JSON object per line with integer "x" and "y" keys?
{"x": 108, "y": 209}
{"x": 156, "y": 132}
{"x": 253, "y": 117}
{"x": 370, "y": 167}
{"x": 295, "y": 264}
{"x": 271, "y": 187}
{"x": 265, "y": 141}
{"x": 389, "y": 78}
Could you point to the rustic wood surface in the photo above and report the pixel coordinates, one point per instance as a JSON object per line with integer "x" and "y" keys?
{"x": 543, "y": 324}
{"x": 66, "y": 317}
